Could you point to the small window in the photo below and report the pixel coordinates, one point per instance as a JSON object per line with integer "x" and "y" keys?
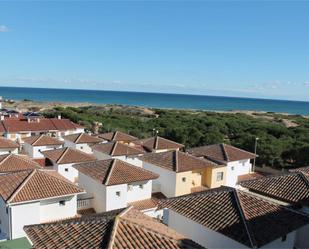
{"x": 232, "y": 168}
{"x": 219, "y": 176}
{"x": 184, "y": 179}
{"x": 10, "y": 151}
{"x": 39, "y": 150}
{"x": 66, "y": 170}
{"x": 81, "y": 147}
{"x": 283, "y": 238}
{"x": 118, "y": 193}
{"x": 141, "y": 186}
{"x": 61, "y": 203}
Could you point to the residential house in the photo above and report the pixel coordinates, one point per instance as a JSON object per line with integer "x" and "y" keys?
{"x": 289, "y": 189}
{"x": 8, "y": 146}
{"x": 118, "y": 136}
{"x": 180, "y": 173}
{"x": 63, "y": 159}
{"x": 157, "y": 144}
{"x": 34, "y": 197}
{"x": 118, "y": 150}
{"x": 126, "y": 228}
{"x": 34, "y": 145}
{"x": 114, "y": 183}
{"x": 81, "y": 141}
{"x": 16, "y": 129}
{"x": 237, "y": 161}
{"x": 12, "y": 163}
{"x": 230, "y": 218}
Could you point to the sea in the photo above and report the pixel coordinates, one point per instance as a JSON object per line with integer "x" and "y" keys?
{"x": 156, "y": 100}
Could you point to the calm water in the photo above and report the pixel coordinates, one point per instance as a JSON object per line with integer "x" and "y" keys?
{"x": 156, "y": 100}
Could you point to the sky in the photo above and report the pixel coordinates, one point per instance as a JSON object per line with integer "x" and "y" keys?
{"x": 227, "y": 48}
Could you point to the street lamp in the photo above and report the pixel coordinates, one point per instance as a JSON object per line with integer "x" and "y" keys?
{"x": 255, "y": 147}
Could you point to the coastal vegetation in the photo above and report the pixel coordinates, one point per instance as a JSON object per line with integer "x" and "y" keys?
{"x": 283, "y": 139}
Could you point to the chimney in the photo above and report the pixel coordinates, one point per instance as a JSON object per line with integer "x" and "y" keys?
{"x": 59, "y": 116}
{"x": 2, "y": 117}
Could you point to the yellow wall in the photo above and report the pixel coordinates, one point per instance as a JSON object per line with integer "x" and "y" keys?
{"x": 210, "y": 178}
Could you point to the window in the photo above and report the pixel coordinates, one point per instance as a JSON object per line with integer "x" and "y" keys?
{"x": 184, "y": 179}
{"x": 61, "y": 203}
{"x": 219, "y": 176}
{"x": 66, "y": 170}
{"x": 81, "y": 147}
{"x": 10, "y": 152}
{"x": 283, "y": 238}
{"x": 141, "y": 186}
{"x": 232, "y": 168}
{"x": 39, "y": 150}
{"x": 7, "y": 210}
{"x": 118, "y": 193}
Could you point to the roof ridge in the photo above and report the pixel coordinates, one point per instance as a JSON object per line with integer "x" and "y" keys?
{"x": 110, "y": 172}
{"x": 19, "y": 188}
{"x": 225, "y": 154}
{"x": 176, "y": 160}
{"x": 156, "y": 142}
{"x": 78, "y": 137}
{"x": 244, "y": 219}
{"x": 114, "y": 135}
{"x": 8, "y": 155}
{"x": 114, "y": 148}
{"x": 62, "y": 155}
{"x": 39, "y": 137}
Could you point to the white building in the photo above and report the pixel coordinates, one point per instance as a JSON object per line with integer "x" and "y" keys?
{"x": 81, "y": 141}
{"x": 290, "y": 189}
{"x": 237, "y": 161}
{"x": 229, "y": 218}
{"x": 157, "y": 144}
{"x": 113, "y": 183}
{"x": 63, "y": 159}
{"x": 118, "y": 150}
{"x": 8, "y": 146}
{"x": 34, "y": 145}
{"x": 12, "y": 162}
{"x": 34, "y": 197}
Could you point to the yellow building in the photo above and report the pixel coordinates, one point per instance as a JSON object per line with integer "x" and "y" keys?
{"x": 181, "y": 173}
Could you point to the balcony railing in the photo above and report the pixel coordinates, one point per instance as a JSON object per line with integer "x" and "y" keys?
{"x": 84, "y": 203}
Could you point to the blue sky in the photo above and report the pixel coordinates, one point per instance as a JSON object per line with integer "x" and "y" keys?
{"x": 229, "y": 48}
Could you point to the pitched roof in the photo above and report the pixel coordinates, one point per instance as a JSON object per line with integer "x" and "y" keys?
{"x": 176, "y": 161}
{"x": 117, "y": 136}
{"x": 81, "y": 138}
{"x": 7, "y": 143}
{"x": 67, "y": 155}
{"x": 292, "y": 187}
{"x": 158, "y": 143}
{"x": 43, "y": 124}
{"x": 34, "y": 184}
{"x": 114, "y": 171}
{"x": 117, "y": 149}
{"x": 12, "y": 162}
{"x": 303, "y": 170}
{"x": 42, "y": 140}
{"x": 239, "y": 215}
{"x": 148, "y": 203}
{"x": 221, "y": 153}
{"x": 112, "y": 230}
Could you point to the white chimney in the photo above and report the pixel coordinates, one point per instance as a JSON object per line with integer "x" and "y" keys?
{"x": 2, "y": 117}
{"x": 59, "y": 116}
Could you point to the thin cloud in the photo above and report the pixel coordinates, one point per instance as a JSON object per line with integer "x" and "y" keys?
{"x": 3, "y": 29}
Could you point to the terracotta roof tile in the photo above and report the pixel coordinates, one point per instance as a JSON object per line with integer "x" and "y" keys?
{"x": 292, "y": 187}
{"x": 176, "y": 161}
{"x": 34, "y": 185}
{"x": 112, "y": 230}
{"x": 12, "y": 162}
{"x": 117, "y": 149}
{"x": 221, "y": 153}
{"x": 148, "y": 203}
{"x": 158, "y": 143}
{"x": 42, "y": 140}
{"x": 7, "y": 143}
{"x": 67, "y": 155}
{"x": 114, "y": 171}
{"x": 117, "y": 136}
{"x": 64, "y": 124}
{"x": 303, "y": 170}
{"x": 81, "y": 138}
{"x": 241, "y": 216}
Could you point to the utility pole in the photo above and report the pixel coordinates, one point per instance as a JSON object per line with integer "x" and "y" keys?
{"x": 255, "y": 147}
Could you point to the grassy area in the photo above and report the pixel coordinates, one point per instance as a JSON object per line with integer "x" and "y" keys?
{"x": 283, "y": 143}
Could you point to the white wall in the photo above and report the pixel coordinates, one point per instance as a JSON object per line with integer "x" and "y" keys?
{"x": 35, "y": 151}
{"x": 100, "y": 155}
{"x": 278, "y": 243}
{"x": 4, "y": 217}
{"x": 52, "y": 210}
{"x": 166, "y": 183}
{"x": 7, "y": 151}
{"x": 112, "y": 200}
{"x": 82, "y": 147}
{"x": 136, "y": 193}
{"x": 130, "y": 159}
{"x": 302, "y": 235}
{"x": 24, "y": 214}
{"x": 235, "y": 169}
{"x": 67, "y": 171}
